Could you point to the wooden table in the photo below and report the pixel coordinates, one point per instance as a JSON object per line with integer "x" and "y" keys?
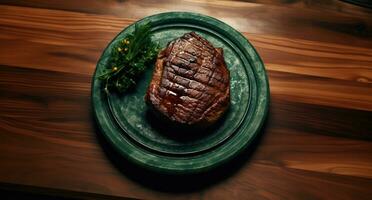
{"x": 316, "y": 143}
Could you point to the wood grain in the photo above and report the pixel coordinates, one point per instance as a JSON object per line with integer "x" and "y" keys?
{"x": 316, "y": 143}
{"x": 285, "y": 21}
{"x": 341, "y": 7}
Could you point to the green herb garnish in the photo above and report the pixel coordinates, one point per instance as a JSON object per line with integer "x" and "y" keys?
{"x": 129, "y": 59}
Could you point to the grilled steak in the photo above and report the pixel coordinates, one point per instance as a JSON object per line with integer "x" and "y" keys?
{"x": 190, "y": 83}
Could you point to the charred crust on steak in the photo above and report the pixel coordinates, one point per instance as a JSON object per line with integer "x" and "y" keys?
{"x": 190, "y": 83}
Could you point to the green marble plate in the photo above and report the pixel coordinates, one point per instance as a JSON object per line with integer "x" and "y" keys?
{"x": 131, "y": 129}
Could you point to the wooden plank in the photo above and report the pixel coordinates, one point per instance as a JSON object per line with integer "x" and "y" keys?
{"x": 341, "y": 7}
{"x": 68, "y": 51}
{"x": 298, "y": 23}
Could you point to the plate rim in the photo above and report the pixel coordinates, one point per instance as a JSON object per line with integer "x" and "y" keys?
{"x": 260, "y": 73}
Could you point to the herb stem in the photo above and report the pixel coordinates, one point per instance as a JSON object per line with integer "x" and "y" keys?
{"x": 129, "y": 59}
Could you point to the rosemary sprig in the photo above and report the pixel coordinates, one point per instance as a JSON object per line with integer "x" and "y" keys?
{"x": 129, "y": 59}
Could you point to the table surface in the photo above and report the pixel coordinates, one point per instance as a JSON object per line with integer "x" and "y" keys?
{"x": 316, "y": 143}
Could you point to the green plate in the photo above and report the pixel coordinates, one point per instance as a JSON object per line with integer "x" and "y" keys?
{"x": 131, "y": 129}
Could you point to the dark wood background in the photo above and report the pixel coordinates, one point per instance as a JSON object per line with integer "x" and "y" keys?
{"x": 316, "y": 143}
